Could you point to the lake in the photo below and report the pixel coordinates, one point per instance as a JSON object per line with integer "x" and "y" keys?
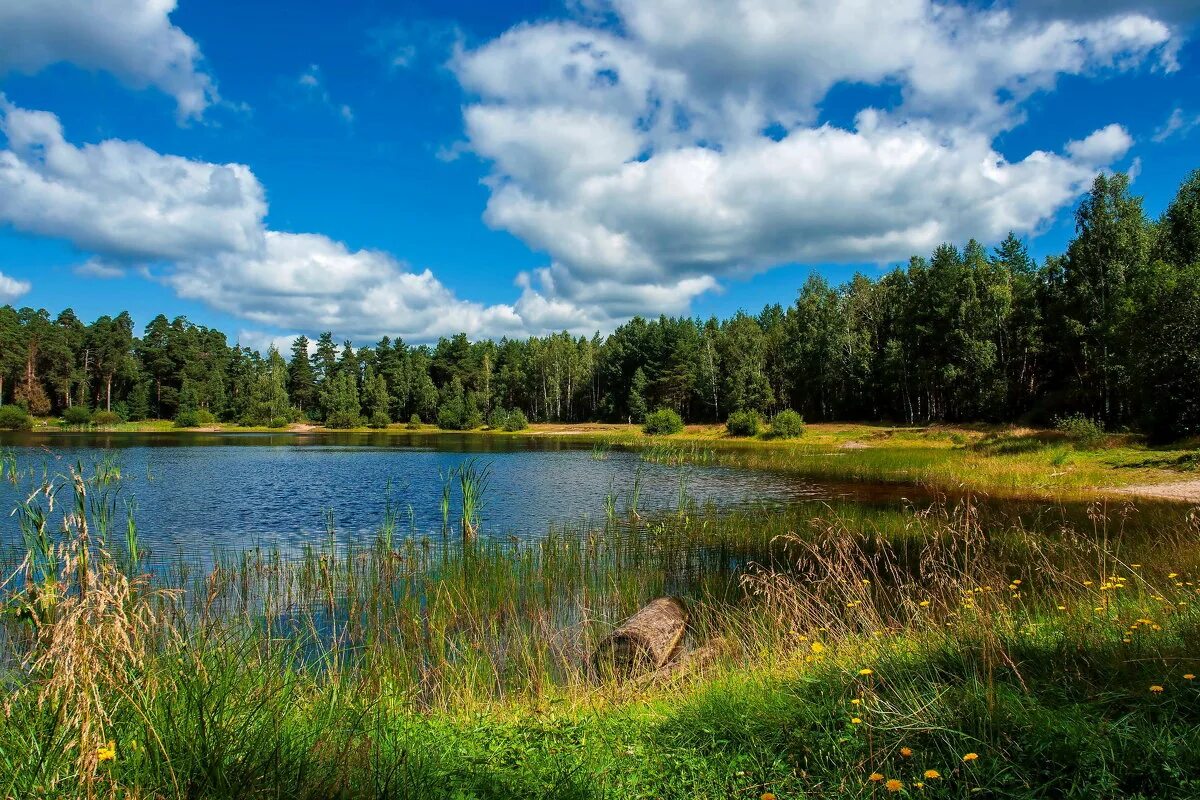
{"x": 200, "y": 493}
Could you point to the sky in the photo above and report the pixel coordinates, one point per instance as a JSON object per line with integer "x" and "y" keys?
{"x": 416, "y": 169}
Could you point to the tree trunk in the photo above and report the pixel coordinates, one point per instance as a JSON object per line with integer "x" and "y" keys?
{"x": 108, "y": 392}
{"x": 645, "y": 641}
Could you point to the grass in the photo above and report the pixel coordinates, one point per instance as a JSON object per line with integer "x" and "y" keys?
{"x": 1029, "y": 634}
{"x": 978, "y": 458}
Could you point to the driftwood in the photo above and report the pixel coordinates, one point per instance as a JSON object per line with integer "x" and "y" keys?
{"x": 644, "y": 642}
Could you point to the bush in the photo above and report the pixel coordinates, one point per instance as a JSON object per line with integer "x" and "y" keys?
{"x": 77, "y": 416}
{"x": 497, "y": 419}
{"x": 106, "y": 419}
{"x": 787, "y": 424}
{"x": 743, "y": 423}
{"x": 663, "y": 421}
{"x": 1083, "y": 431}
{"x": 378, "y": 420}
{"x": 414, "y": 422}
{"x": 194, "y": 419}
{"x": 279, "y": 422}
{"x": 516, "y": 421}
{"x": 342, "y": 420}
{"x": 15, "y": 418}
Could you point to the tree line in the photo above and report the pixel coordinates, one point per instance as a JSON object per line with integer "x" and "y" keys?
{"x": 1109, "y": 329}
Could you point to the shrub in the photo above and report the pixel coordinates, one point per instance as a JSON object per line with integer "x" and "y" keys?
{"x": 787, "y": 424}
{"x": 663, "y": 421}
{"x": 516, "y": 421}
{"x": 106, "y": 419}
{"x": 279, "y": 422}
{"x": 414, "y": 422}
{"x": 194, "y": 419}
{"x": 1083, "y": 431}
{"x": 77, "y": 416}
{"x": 497, "y": 419}
{"x": 15, "y": 418}
{"x": 379, "y": 419}
{"x": 743, "y": 423}
{"x": 342, "y": 419}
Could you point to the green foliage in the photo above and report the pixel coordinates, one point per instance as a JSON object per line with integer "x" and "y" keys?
{"x": 77, "y": 416}
{"x": 459, "y": 410}
{"x": 194, "y": 419}
{"x": 497, "y": 418}
{"x": 414, "y": 422}
{"x": 379, "y": 420}
{"x": 663, "y": 421}
{"x": 787, "y": 424}
{"x": 106, "y": 419}
{"x": 1083, "y": 431}
{"x": 743, "y": 423}
{"x": 341, "y": 402}
{"x": 515, "y": 420}
{"x": 15, "y": 418}
{"x": 637, "y": 396}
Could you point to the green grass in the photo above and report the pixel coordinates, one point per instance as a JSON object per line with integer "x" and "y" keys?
{"x": 1028, "y": 633}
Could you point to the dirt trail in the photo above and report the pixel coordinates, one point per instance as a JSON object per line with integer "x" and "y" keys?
{"x": 1184, "y": 491}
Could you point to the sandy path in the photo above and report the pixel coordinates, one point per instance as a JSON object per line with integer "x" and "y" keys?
{"x": 1184, "y": 491}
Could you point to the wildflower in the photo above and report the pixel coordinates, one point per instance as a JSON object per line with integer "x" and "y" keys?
{"x": 906, "y": 752}
{"x": 931, "y": 774}
{"x": 924, "y": 603}
{"x": 875, "y": 777}
{"x": 817, "y": 647}
{"x": 866, "y": 672}
{"x": 107, "y": 752}
{"x": 970, "y": 757}
{"x": 855, "y": 702}
{"x": 1156, "y": 689}
{"x": 894, "y": 785}
{"x": 919, "y": 785}
{"x": 1017, "y": 581}
{"x": 1062, "y": 608}
{"x": 855, "y": 721}
{"x": 1173, "y": 575}
{"x": 1189, "y": 677}
{"x": 767, "y": 796}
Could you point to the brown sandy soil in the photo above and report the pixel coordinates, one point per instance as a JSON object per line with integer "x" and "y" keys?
{"x": 1184, "y": 491}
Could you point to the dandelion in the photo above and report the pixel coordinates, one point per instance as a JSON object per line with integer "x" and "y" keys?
{"x": 970, "y": 757}
{"x": 856, "y": 702}
{"x": 1156, "y": 689}
{"x": 855, "y": 721}
{"x": 924, "y": 603}
{"x": 875, "y": 777}
{"x": 866, "y": 672}
{"x": 919, "y": 785}
{"x": 767, "y": 796}
{"x": 817, "y": 647}
{"x": 906, "y": 752}
{"x": 1189, "y": 677}
{"x": 932, "y": 774}
{"x": 894, "y": 785}
{"x": 107, "y": 752}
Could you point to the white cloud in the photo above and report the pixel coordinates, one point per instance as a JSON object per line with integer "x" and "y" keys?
{"x": 200, "y": 229}
{"x": 11, "y": 288}
{"x": 121, "y": 198}
{"x": 636, "y": 155}
{"x": 132, "y": 39}
{"x": 1177, "y": 124}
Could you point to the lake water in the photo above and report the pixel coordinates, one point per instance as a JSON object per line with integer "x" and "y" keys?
{"x": 200, "y": 493}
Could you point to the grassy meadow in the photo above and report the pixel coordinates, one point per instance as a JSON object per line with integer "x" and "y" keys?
{"x": 948, "y": 649}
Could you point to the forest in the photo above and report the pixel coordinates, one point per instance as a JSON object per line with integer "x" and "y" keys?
{"x": 1109, "y": 329}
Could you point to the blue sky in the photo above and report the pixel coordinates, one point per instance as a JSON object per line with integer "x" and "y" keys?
{"x": 415, "y": 168}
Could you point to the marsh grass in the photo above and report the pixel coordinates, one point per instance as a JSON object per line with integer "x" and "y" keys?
{"x": 423, "y": 666}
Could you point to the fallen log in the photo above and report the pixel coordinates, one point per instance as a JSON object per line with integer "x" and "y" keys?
{"x": 644, "y": 642}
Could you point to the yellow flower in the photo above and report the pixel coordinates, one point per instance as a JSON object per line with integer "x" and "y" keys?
{"x": 817, "y": 647}
{"x": 930, "y": 774}
{"x": 1189, "y": 677}
{"x": 875, "y": 777}
{"x": 924, "y": 603}
{"x": 107, "y": 752}
{"x": 919, "y": 785}
{"x": 855, "y": 721}
{"x": 894, "y": 785}
{"x": 970, "y": 756}
{"x": 866, "y": 672}
{"x": 1156, "y": 689}
{"x": 906, "y": 752}
{"x": 767, "y": 796}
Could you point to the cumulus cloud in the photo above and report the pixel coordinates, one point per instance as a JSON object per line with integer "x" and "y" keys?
{"x": 11, "y": 288}
{"x": 199, "y": 228}
{"x": 684, "y": 145}
{"x": 133, "y": 39}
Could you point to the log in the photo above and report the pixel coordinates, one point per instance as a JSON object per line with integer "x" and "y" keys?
{"x": 644, "y": 642}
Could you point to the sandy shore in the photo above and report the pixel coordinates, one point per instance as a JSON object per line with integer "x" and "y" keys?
{"x": 1184, "y": 491}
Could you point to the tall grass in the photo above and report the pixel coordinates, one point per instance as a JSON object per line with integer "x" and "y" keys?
{"x": 422, "y": 666}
